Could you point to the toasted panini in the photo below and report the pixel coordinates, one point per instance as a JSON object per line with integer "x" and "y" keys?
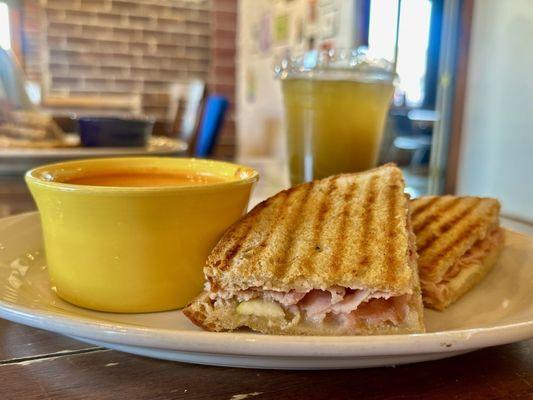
{"x": 458, "y": 242}
{"x": 330, "y": 257}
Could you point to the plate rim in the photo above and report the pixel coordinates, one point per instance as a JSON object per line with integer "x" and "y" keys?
{"x": 255, "y": 344}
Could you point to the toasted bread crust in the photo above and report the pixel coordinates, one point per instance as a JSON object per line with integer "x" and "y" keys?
{"x": 416, "y": 304}
{"x": 466, "y": 280}
{"x": 350, "y": 230}
{"x": 197, "y": 311}
{"x": 446, "y": 227}
{"x": 347, "y": 230}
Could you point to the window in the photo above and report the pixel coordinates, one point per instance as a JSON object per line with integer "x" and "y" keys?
{"x": 413, "y": 41}
{"x": 382, "y": 28}
{"x": 5, "y": 36}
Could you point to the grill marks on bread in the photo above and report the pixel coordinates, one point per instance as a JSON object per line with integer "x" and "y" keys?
{"x": 443, "y": 205}
{"x": 395, "y": 197}
{"x": 260, "y": 251}
{"x": 236, "y": 247}
{"x": 447, "y": 227}
{"x": 445, "y": 222}
{"x": 367, "y": 218}
{"x": 335, "y": 231}
{"x": 462, "y": 235}
{"x": 315, "y": 245}
{"x": 349, "y": 230}
{"x": 303, "y": 253}
{"x": 338, "y": 256}
{"x": 245, "y": 236}
{"x": 421, "y": 205}
{"x": 294, "y": 221}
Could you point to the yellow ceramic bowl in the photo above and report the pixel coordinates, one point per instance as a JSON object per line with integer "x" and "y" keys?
{"x": 134, "y": 249}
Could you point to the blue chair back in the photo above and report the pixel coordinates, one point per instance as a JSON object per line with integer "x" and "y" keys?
{"x": 211, "y": 125}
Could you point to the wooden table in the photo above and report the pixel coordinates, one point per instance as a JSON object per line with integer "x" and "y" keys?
{"x": 35, "y": 364}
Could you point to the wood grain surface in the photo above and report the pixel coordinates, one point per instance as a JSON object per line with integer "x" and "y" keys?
{"x": 504, "y": 372}
{"x": 19, "y": 341}
{"x": 39, "y": 365}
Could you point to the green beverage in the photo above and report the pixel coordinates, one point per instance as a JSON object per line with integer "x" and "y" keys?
{"x": 334, "y": 121}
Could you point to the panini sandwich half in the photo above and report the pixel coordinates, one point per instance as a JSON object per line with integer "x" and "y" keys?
{"x": 458, "y": 241}
{"x": 330, "y": 257}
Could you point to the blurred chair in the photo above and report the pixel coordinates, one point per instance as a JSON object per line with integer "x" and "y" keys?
{"x": 410, "y": 137}
{"x": 185, "y": 107}
{"x": 211, "y": 125}
{"x": 420, "y": 145}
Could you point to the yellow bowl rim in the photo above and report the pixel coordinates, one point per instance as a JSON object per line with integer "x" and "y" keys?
{"x": 32, "y": 179}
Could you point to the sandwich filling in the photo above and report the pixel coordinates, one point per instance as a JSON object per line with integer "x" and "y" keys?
{"x": 437, "y": 292}
{"x": 336, "y": 305}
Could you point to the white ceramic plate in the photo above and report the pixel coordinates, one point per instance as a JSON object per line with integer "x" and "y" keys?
{"x": 18, "y": 160}
{"x": 498, "y": 311}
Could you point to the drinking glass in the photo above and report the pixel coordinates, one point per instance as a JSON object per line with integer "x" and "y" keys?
{"x": 336, "y": 103}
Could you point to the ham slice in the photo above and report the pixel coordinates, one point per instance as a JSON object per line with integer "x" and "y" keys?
{"x": 350, "y": 302}
{"x": 284, "y": 298}
{"x": 474, "y": 255}
{"x": 438, "y": 291}
{"x": 338, "y": 304}
{"x": 381, "y": 310}
{"x": 318, "y": 303}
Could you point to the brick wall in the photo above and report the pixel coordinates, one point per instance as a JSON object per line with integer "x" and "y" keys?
{"x": 222, "y": 66}
{"x": 32, "y": 40}
{"x": 125, "y": 46}
{"x": 133, "y": 47}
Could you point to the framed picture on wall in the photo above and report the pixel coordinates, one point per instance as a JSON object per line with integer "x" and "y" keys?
{"x": 264, "y": 34}
{"x": 281, "y": 29}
